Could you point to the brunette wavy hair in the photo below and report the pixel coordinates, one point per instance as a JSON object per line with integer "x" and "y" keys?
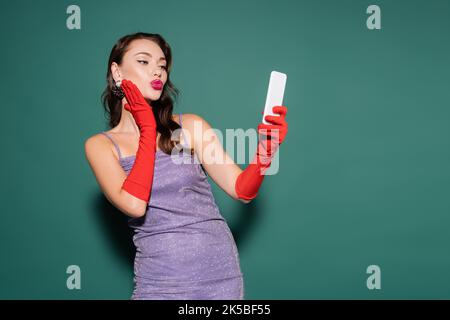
{"x": 162, "y": 108}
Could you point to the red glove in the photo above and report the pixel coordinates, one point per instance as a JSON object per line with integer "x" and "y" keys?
{"x": 140, "y": 179}
{"x": 249, "y": 181}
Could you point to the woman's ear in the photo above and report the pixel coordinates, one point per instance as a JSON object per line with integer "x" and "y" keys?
{"x": 115, "y": 72}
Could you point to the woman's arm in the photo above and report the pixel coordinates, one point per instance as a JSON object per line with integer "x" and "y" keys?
{"x": 208, "y": 147}
{"x": 110, "y": 176}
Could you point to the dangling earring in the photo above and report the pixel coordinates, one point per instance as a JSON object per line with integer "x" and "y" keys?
{"x": 117, "y": 90}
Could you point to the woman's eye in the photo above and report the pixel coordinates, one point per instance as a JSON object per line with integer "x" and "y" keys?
{"x": 146, "y": 62}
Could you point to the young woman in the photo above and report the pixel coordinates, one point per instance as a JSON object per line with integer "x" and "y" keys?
{"x": 184, "y": 248}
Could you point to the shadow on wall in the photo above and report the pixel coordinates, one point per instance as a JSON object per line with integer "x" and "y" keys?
{"x": 248, "y": 214}
{"x": 114, "y": 224}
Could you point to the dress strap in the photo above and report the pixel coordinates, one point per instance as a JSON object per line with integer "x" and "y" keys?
{"x": 114, "y": 143}
{"x": 181, "y": 133}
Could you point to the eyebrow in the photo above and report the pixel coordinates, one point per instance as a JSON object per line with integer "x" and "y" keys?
{"x": 162, "y": 58}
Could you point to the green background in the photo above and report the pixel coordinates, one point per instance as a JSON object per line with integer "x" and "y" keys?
{"x": 364, "y": 171}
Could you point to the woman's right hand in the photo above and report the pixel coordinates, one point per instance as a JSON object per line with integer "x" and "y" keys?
{"x": 140, "y": 179}
{"x": 275, "y": 133}
{"x": 137, "y": 105}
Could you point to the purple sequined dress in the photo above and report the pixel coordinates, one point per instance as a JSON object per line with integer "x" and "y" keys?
{"x": 184, "y": 247}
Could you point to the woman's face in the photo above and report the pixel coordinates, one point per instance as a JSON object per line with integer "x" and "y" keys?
{"x": 142, "y": 63}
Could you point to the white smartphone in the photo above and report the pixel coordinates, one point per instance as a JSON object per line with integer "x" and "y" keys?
{"x": 275, "y": 93}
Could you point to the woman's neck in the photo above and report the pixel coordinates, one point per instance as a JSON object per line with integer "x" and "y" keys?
{"x": 127, "y": 124}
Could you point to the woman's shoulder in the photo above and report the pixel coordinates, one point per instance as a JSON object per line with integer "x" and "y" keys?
{"x": 96, "y": 147}
{"x": 190, "y": 118}
{"x": 96, "y": 138}
{"x": 101, "y": 137}
{"x": 190, "y": 123}
{"x": 96, "y": 142}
